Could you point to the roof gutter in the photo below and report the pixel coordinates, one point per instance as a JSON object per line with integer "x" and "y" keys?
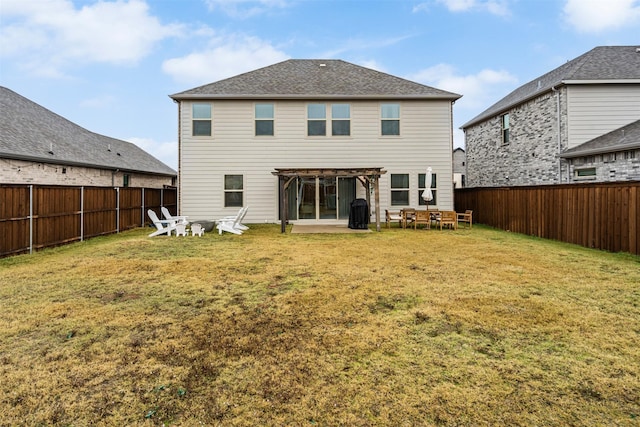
{"x": 179, "y": 97}
{"x": 600, "y": 150}
{"x": 78, "y": 164}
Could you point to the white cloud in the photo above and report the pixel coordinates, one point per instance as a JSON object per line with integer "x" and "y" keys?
{"x": 49, "y": 35}
{"x": 225, "y": 58}
{"x": 494, "y": 7}
{"x": 245, "y": 8}
{"x": 593, "y": 16}
{"x": 166, "y": 152}
{"x": 360, "y": 44}
{"x": 479, "y": 91}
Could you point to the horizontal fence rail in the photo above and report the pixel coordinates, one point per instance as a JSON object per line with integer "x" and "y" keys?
{"x": 597, "y": 215}
{"x": 33, "y": 217}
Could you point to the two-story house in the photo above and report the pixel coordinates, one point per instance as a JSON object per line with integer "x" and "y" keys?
{"x": 459, "y": 168}
{"x": 38, "y": 146}
{"x": 533, "y": 135}
{"x": 298, "y": 138}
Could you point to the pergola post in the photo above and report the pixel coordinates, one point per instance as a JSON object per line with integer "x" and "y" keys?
{"x": 283, "y": 204}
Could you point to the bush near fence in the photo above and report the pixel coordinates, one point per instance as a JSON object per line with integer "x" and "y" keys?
{"x": 595, "y": 215}
{"x": 33, "y": 217}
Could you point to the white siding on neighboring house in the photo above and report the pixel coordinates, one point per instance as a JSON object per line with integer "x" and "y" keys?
{"x": 598, "y": 109}
{"x": 425, "y": 140}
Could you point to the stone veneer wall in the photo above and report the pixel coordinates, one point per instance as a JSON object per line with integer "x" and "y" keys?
{"x": 621, "y": 166}
{"x": 24, "y": 172}
{"x": 530, "y": 157}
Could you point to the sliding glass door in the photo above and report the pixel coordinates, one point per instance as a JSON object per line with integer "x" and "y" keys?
{"x": 321, "y": 198}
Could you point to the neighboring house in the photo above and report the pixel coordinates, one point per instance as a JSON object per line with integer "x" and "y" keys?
{"x": 614, "y": 156}
{"x": 38, "y": 146}
{"x": 459, "y": 168}
{"x": 523, "y": 138}
{"x": 304, "y": 134}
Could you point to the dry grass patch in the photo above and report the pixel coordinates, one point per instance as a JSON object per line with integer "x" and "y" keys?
{"x": 402, "y": 327}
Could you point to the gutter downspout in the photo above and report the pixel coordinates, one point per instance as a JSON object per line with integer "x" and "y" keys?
{"x": 113, "y": 177}
{"x": 557, "y": 92}
{"x": 179, "y": 183}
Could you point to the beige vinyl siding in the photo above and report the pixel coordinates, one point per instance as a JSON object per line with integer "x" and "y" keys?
{"x": 425, "y": 140}
{"x": 594, "y": 110}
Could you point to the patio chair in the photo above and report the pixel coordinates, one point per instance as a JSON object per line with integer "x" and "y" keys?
{"x": 231, "y": 224}
{"x": 392, "y": 216}
{"x": 242, "y": 213}
{"x": 408, "y": 216}
{"x": 448, "y": 218}
{"x": 163, "y": 226}
{"x": 423, "y": 218}
{"x": 178, "y": 218}
{"x": 466, "y": 217}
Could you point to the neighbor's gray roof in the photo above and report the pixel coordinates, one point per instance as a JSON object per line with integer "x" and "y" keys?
{"x": 315, "y": 78}
{"x": 601, "y": 64}
{"x": 29, "y": 131}
{"x": 621, "y": 139}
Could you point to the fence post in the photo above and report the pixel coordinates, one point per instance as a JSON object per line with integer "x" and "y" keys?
{"x": 142, "y": 210}
{"x": 82, "y": 213}
{"x": 117, "y": 209}
{"x": 31, "y": 219}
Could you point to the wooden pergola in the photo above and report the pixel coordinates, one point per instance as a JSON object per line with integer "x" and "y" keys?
{"x": 367, "y": 176}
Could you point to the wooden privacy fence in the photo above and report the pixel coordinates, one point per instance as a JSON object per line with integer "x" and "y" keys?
{"x": 597, "y": 215}
{"x": 38, "y": 216}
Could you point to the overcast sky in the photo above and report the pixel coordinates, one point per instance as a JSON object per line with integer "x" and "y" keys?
{"x": 109, "y": 66}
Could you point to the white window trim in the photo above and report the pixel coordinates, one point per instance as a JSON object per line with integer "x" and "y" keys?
{"x": 383, "y": 119}
{"x": 203, "y": 119}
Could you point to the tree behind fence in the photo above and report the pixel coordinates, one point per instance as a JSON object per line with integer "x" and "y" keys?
{"x": 37, "y": 216}
{"x": 598, "y": 215}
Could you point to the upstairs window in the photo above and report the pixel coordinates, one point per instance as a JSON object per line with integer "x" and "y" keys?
{"x": 264, "y": 119}
{"x": 340, "y": 120}
{"x": 316, "y": 120}
{"x": 433, "y": 186}
{"x": 390, "y": 118}
{"x": 233, "y": 189}
{"x": 505, "y": 129}
{"x": 399, "y": 189}
{"x": 201, "y": 115}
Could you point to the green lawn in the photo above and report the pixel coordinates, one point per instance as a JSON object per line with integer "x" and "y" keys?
{"x": 398, "y": 328}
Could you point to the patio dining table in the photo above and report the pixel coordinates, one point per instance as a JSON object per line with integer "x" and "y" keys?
{"x": 409, "y": 216}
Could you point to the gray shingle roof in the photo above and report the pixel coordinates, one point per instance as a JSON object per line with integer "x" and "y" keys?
{"x": 315, "y": 78}
{"x": 603, "y": 63}
{"x": 29, "y": 131}
{"x": 621, "y": 139}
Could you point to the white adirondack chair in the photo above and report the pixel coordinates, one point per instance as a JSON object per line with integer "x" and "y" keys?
{"x": 240, "y": 226}
{"x": 179, "y": 219}
{"x": 232, "y": 224}
{"x": 163, "y": 226}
